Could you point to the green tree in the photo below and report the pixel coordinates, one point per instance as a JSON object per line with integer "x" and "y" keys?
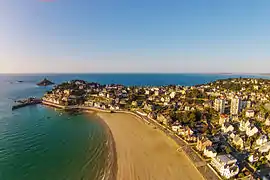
{"x": 228, "y": 149}
{"x": 241, "y": 175}
{"x": 192, "y": 116}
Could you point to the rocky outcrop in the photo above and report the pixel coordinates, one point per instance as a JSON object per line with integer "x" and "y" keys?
{"x": 45, "y": 82}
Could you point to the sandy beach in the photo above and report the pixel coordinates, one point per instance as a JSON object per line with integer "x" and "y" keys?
{"x": 145, "y": 153}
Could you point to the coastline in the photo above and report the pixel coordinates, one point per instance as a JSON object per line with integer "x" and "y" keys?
{"x": 110, "y": 171}
{"x": 146, "y": 153}
{"x": 112, "y": 143}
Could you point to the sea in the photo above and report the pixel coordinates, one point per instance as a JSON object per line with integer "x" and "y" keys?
{"x": 43, "y": 143}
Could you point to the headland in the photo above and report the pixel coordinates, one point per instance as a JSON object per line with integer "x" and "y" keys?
{"x": 205, "y": 123}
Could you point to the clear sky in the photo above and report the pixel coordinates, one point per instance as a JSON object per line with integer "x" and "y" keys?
{"x": 134, "y": 36}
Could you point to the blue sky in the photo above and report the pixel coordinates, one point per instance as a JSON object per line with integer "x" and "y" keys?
{"x": 134, "y": 36}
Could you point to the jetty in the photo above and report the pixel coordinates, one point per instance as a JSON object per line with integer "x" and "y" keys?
{"x": 26, "y": 102}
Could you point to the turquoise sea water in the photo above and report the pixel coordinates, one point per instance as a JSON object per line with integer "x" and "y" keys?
{"x": 41, "y": 143}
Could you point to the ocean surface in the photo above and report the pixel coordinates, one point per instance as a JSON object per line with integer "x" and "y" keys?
{"x": 41, "y": 143}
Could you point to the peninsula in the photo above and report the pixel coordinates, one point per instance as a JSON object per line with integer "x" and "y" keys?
{"x": 219, "y": 129}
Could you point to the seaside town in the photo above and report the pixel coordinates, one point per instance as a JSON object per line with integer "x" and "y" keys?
{"x": 222, "y": 126}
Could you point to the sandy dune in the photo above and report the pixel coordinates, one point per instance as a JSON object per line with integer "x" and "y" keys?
{"x": 144, "y": 153}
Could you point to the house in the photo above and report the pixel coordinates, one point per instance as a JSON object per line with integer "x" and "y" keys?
{"x": 162, "y": 99}
{"x": 103, "y": 106}
{"x": 231, "y": 135}
{"x": 225, "y": 165}
{"x": 267, "y": 122}
{"x": 176, "y": 128}
{"x": 210, "y": 152}
{"x": 227, "y": 127}
{"x": 191, "y": 138}
{"x": 264, "y": 148}
{"x": 167, "y": 99}
{"x": 134, "y": 103}
{"x": 185, "y": 131}
{"x": 223, "y": 118}
{"x": 163, "y": 119}
{"x": 89, "y": 103}
{"x": 97, "y": 104}
{"x": 101, "y": 94}
{"x": 67, "y": 92}
{"x": 248, "y": 127}
{"x": 109, "y": 95}
{"x": 251, "y": 130}
{"x": 172, "y": 95}
{"x": 112, "y": 107}
{"x": 81, "y": 87}
{"x": 261, "y": 140}
{"x": 202, "y": 143}
{"x": 261, "y": 116}
{"x": 250, "y": 113}
{"x": 124, "y": 94}
{"x": 244, "y": 125}
{"x": 160, "y": 117}
{"x": 238, "y": 141}
{"x": 253, "y": 157}
{"x": 149, "y": 107}
{"x": 187, "y": 108}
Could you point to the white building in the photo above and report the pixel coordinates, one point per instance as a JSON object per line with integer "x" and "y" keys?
{"x": 249, "y": 128}
{"x": 176, "y": 128}
{"x": 261, "y": 140}
{"x": 244, "y": 125}
{"x": 227, "y": 127}
{"x": 251, "y": 131}
{"x": 267, "y": 122}
{"x": 219, "y": 105}
{"x": 253, "y": 158}
{"x": 238, "y": 141}
{"x": 226, "y": 165}
{"x": 210, "y": 152}
{"x": 250, "y": 113}
{"x": 147, "y": 92}
{"x": 187, "y": 108}
{"x": 223, "y": 118}
{"x": 172, "y": 95}
{"x": 264, "y": 148}
{"x": 235, "y": 106}
{"x": 185, "y": 131}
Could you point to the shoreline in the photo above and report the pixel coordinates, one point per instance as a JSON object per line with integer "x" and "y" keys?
{"x": 113, "y": 144}
{"x": 110, "y": 171}
{"x": 146, "y": 153}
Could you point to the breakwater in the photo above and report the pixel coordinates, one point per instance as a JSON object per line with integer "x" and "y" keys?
{"x": 26, "y": 102}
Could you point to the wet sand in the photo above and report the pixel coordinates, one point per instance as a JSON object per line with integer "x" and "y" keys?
{"x": 145, "y": 153}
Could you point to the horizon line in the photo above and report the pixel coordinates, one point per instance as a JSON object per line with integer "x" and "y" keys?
{"x": 221, "y": 73}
